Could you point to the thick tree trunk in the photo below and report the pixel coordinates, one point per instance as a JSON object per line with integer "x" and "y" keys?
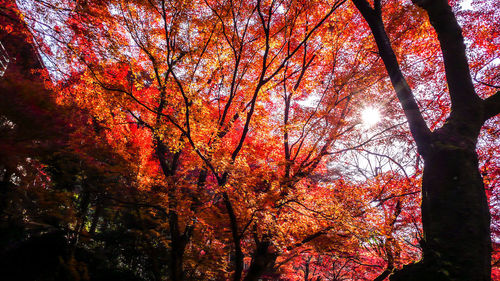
{"x": 262, "y": 260}
{"x": 455, "y": 215}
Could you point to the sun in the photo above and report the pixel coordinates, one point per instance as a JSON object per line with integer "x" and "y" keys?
{"x": 370, "y": 116}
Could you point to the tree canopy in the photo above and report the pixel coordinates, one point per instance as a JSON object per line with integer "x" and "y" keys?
{"x": 249, "y": 140}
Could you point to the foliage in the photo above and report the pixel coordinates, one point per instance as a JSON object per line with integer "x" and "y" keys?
{"x": 217, "y": 140}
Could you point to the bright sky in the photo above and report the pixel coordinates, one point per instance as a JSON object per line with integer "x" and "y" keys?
{"x": 466, "y": 4}
{"x": 370, "y": 116}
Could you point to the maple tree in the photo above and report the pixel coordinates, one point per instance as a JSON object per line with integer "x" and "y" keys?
{"x": 220, "y": 140}
{"x": 60, "y": 181}
{"x": 178, "y": 140}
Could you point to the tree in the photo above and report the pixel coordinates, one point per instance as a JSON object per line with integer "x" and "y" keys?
{"x": 208, "y": 140}
{"x": 66, "y": 196}
{"x": 455, "y": 215}
{"x": 197, "y": 86}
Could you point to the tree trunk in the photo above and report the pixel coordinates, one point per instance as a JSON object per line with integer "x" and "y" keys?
{"x": 455, "y": 213}
{"x": 176, "y": 263}
{"x": 178, "y": 244}
{"x": 262, "y": 260}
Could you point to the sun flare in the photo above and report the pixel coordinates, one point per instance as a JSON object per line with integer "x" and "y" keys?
{"x": 370, "y": 116}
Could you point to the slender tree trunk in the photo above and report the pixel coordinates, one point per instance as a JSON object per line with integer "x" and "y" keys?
{"x": 178, "y": 241}
{"x": 238, "y": 253}
{"x": 95, "y": 218}
{"x": 306, "y": 270}
{"x": 177, "y": 247}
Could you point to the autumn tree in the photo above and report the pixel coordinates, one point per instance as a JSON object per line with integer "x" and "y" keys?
{"x": 455, "y": 215}
{"x": 66, "y": 197}
{"x": 218, "y": 95}
{"x": 214, "y": 135}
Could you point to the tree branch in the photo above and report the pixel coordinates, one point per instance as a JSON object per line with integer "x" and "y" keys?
{"x": 418, "y": 127}
{"x": 491, "y": 106}
{"x": 451, "y": 40}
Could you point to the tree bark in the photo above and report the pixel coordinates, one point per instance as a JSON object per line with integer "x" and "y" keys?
{"x": 262, "y": 260}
